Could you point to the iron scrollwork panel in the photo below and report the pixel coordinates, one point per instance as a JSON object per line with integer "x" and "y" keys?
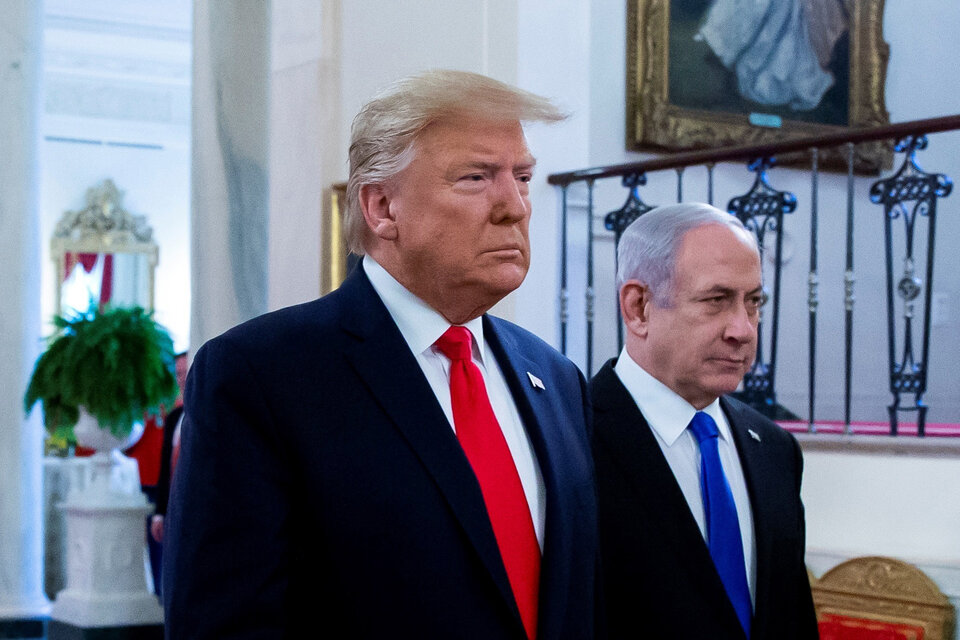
{"x": 761, "y": 211}
{"x": 618, "y": 221}
{"x": 908, "y": 195}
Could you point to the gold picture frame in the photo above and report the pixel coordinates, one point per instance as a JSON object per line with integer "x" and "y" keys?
{"x": 657, "y": 120}
{"x": 334, "y": 255}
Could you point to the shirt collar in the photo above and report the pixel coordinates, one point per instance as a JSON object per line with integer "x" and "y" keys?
{"x": 419, "y": 323}
{"x": 666, "y": 412}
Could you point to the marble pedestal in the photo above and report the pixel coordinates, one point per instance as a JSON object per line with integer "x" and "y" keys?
{"x": 105, "y": 543}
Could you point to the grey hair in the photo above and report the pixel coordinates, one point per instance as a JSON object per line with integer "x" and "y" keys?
{"x": 385, "y": 131}
{"x": 648, "y": 248}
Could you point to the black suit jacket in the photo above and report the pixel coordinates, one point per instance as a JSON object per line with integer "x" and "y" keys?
{"x": 659, "y": 580}
{"x": 166, "y": 455}
{"x": 320, "y": 486}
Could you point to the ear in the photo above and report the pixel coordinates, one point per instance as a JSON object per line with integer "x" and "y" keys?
{"x": 636, "y": 301}
{"x": 375, "y": 203}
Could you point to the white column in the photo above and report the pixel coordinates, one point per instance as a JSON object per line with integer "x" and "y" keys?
{"x": 21, "y": 440}
{"x": 265, "y": 145}
{"x": 230, "y": 187}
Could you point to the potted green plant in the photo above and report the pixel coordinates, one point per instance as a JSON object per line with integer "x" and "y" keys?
{"x": 113, "y": 365}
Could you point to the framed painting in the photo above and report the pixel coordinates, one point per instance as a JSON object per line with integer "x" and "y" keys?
{"x": 716, "y": 73}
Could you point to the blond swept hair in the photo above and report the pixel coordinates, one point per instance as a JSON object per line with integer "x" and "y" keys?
{"x": 385, "y": 131}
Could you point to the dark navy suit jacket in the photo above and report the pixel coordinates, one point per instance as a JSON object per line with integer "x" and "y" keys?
{"x": 321, "y": 486}
{"x": 658, "y": 578}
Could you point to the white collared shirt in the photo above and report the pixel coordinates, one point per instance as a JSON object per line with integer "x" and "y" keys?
{"x": 421, "y": 326}
{"x": 668, "y": 416}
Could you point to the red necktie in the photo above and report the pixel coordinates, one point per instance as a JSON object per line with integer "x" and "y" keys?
{"x": 482, "y": 441}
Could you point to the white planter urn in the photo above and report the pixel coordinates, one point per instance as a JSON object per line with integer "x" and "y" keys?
{"x": 106, "y": 539}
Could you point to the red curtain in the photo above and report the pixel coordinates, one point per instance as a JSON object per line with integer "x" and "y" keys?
{"x": 89, "y": 261}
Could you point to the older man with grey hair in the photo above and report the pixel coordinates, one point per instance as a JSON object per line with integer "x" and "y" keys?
{"x": 390, "y": 461}
{"x": 701, "y": 523}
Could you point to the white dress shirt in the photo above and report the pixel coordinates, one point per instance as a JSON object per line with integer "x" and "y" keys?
{"x": 668, "y": 416}
{"x": 421, "y": 326}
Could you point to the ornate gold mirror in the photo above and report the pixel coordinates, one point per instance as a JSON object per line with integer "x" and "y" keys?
{"x": 103, "y": 254}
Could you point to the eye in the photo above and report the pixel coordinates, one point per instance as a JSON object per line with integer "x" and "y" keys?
{"x": 525, "y": 178}
{"x": 714, "y": 304}
{"x": 473, "y": 177}
{"x": 757, "y": 301}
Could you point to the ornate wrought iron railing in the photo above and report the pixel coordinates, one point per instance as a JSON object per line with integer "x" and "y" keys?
{"x": 907, "y": 194}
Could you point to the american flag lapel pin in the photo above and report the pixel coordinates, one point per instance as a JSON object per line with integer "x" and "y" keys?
{"x": 536, "y": 382}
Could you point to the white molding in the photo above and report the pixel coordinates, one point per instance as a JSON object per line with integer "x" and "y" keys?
{"x": 932, "y": 447}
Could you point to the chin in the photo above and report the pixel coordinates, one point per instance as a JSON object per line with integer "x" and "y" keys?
{"x": 501, "y": 290}
{"x": 727, "y": 386}
{"x": 507, "y": 277}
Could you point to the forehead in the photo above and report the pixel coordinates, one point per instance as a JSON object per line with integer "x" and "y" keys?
{"x": 716, "y": 256}
{"x": 453, "y": 137}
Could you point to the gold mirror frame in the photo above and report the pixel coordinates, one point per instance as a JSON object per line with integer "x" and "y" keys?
{"x": 103, "y": 227}
{"x": 654, "y": 123}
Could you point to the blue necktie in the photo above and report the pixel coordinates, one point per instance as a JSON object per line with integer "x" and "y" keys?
{"x": 723, "y": 526}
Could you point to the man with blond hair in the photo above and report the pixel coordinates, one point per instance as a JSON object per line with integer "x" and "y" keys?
{"x": 389, "y": 461}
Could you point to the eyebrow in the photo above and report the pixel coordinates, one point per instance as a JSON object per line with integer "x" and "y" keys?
{"x": 727, "y": 291}
{"x": 527, "y": 164}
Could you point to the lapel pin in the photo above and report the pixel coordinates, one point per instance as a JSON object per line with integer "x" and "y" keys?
{"x": 536, "y": 382}
{"x": 754, "y": 435}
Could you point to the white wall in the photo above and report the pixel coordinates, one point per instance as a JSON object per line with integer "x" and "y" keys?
{"x": 385, "y": 41}
{"x": 554, "y": 59}
{"x": 300, "y": 125}
{"x": 918, "y": 516}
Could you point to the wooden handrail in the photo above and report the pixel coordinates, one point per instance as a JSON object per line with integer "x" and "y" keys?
{"x": 748, "y": 152}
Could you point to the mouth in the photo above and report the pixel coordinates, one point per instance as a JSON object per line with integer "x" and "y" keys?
{"x": 506, "y": 252}
{"x": 730, "y": 362}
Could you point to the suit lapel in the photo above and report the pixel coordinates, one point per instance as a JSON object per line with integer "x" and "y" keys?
{"x": 535, "y": 398}
{"x": 380, "y": 356}
{"x": 756, "y": 469}
{"x": 630, "y": 442}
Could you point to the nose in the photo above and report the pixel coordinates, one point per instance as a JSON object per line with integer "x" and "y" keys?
{"x": 511, "y": 203}
{"x": 742, "y": 324}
